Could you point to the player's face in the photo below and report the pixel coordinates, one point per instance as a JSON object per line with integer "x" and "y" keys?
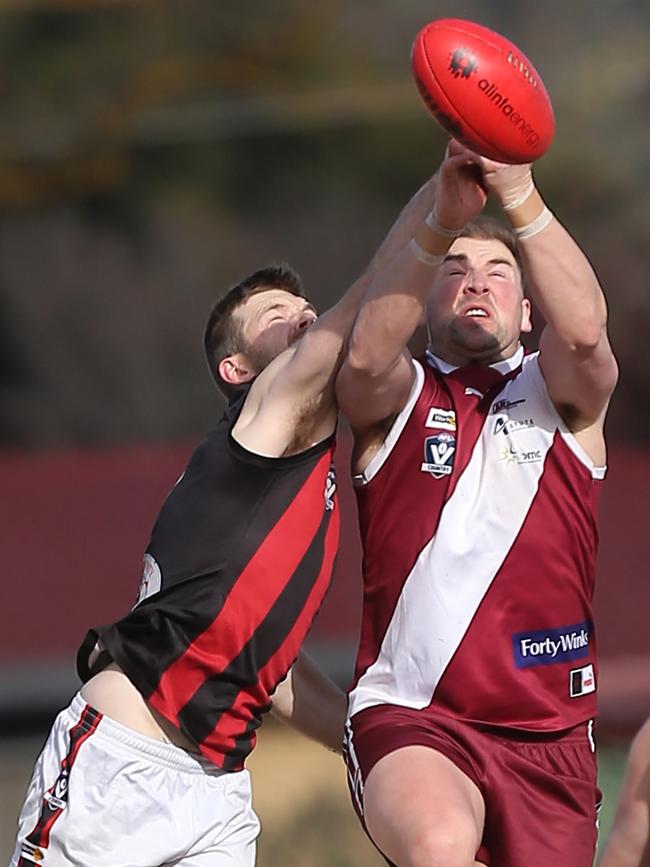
{"x": 476, "y": 310}
{"x": 271, "y": 322}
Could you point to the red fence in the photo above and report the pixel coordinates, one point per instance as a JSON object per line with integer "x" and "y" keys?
{"x": 75, "y": 524}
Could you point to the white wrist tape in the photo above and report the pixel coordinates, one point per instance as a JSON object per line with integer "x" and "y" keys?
{"x": 435, "y": 226}
{"x": 425, "y": 257}
{"x": 537, "y": 225}
{"x": 521, "y": 198}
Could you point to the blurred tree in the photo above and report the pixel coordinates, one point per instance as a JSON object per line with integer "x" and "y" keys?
{"x": 151, "y": 153}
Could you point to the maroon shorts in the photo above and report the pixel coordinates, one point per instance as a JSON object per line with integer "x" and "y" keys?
{"x": 540, "y": 790}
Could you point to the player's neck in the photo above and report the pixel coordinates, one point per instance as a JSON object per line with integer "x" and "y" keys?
{"x": 510, "y": 357}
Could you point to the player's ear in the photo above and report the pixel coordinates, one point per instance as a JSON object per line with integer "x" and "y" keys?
{"x": 526, "y": 317}
{"x": 235, "y": 369}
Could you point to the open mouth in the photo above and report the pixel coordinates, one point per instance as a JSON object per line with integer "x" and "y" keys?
{"x": 475, "y": 313}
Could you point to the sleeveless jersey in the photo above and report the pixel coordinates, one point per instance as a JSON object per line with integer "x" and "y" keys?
{"x": 477, "y": 518}
{"x": 239, "y": 560}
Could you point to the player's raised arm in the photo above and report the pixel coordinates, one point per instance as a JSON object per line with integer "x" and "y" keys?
{"x": 576, "y": 359}
{"x": 376, "y": 376}
{"x": 306, "y": 371}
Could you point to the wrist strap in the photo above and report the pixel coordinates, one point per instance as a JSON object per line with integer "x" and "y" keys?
{"x": 537, "y": 225}
{"x": 435, "y": 226}
{"x": 520, "y": 198}
{"x": 424, "y": 256}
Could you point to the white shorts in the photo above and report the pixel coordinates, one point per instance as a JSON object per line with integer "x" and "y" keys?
{"x": 103, "y": 795}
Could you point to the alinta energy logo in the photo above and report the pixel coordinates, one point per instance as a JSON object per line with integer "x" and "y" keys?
{"x": 515, "y": 117}
{"x": 462, "y": 64}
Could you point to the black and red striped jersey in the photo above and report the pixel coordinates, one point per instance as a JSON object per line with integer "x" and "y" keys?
{"x": 238, "y": 564}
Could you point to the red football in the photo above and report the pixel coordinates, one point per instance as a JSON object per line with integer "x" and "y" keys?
{"x": 483, "y": 90}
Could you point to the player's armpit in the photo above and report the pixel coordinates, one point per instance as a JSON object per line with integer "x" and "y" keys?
{"x": 579, "y": 380}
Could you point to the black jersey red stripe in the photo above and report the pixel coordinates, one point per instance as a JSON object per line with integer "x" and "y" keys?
{"x": 254, "y": 593}
{"x": 56, "y": 798}
{"x": 244, "y": 546}
{"x": 275, "y": 652}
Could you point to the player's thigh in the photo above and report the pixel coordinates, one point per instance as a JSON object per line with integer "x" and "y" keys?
{"x": 232, "y": 841}
{"x": 543, "y": 805}
{"x": 419, "y": 806}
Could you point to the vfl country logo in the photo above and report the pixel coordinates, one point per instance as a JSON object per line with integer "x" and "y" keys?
{"x": 439, "y": 455}
{"x": 462, "y": 64}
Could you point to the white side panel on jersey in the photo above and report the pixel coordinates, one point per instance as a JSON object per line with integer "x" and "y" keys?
{"x": 477, "y": 528}
{"x": 379, "y": 458}
{"x": 565, "y": 433}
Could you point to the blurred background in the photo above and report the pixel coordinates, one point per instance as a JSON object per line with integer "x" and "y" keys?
{"x": 154, "y": 153}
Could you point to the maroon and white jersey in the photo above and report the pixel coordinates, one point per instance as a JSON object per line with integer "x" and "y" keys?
{"x": 478, "y": 524}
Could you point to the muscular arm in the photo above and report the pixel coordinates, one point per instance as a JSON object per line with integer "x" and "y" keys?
{"x": 628, "y": 844}
{"x": 575, "y": 356}
{"x": 376, "y": 376}
{"x": 311, "y": 703}
{"x": 302, "y": 378}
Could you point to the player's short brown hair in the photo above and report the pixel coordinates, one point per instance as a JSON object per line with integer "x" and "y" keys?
{"x": 223, "y": 335}
{"x": 489, "y": 229}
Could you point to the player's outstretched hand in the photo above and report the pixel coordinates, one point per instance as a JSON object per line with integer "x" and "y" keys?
{"x": 460, "y": 193}
{"x": 511, "y": 184}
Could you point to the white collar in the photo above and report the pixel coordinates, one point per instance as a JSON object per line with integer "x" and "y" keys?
{"x": 505, "y": 366}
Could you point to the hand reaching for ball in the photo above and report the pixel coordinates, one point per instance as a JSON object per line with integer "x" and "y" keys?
{"x": 510, "y": 184}
{"x": 460, "y": 194}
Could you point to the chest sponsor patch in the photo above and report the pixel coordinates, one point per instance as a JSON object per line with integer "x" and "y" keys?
{"x": 505, "y": 425}
{"x": 443, "y": 419}
{"x": 439, "y": 455}
{"x": 549, "y": 646}
{"x": 516, "y": 456}
{"x": 504, "y": 405}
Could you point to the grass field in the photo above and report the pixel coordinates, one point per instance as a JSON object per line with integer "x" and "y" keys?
{"x": 300, "y": 796}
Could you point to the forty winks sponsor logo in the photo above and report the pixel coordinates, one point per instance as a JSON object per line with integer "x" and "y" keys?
{"x": 548, "y": 646}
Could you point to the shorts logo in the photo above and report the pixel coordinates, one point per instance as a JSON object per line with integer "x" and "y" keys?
{"x": 439, "y": 455}
{"x": 443, "y": 419}
{"x": 330, "y": 489}
{"x": 31, "y": 852}
{"x": 58, "y": 797}
{"x": 582, "y": 681}
{"x": 548, "y": 646}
